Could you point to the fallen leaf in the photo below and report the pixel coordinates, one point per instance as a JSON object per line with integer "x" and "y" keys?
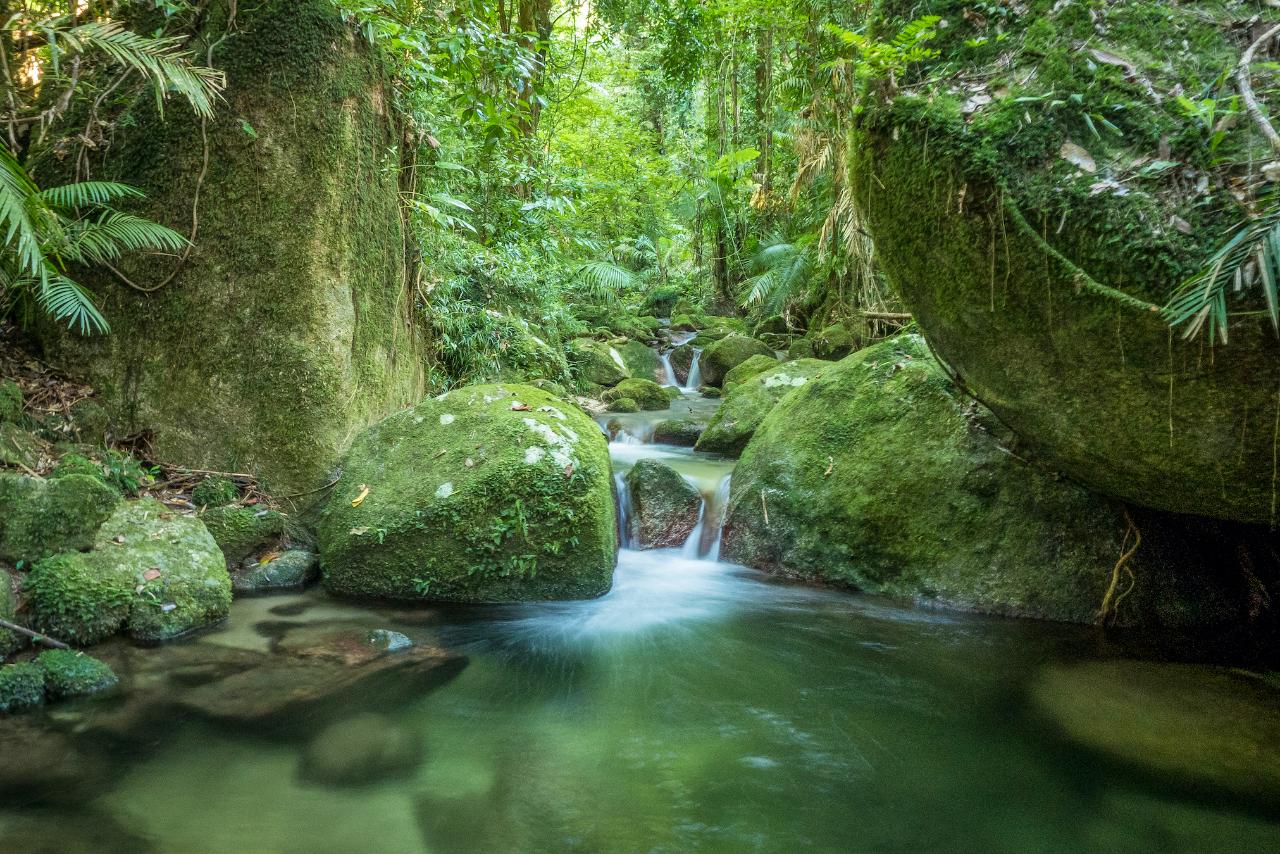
{"x": 359, "y": 499}
{"x": 168, "y": 606}
{"x": 267, "y": 558}
{"x": 568, "y": 470}
{"x": 1078, "y": 156}
{"x": 439, "y": 454}
{"x": 831, "y": 464}
{"x": 118, "y": 539}
{"x": 520, "y": 407}
{"x": 151, "y": 574}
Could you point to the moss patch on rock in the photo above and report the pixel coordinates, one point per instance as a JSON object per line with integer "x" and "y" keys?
{"x": 747, "y": 404}
{"x": 834, "y": 343}
{"x": 677, "y": 431}
{"x": 292, "y": 322}
{"x": 157, "y": 573}
{"x": 748, "y": 369}
{"x": 880, "y": 475}
{"x": 243, "y": 531}
{"x": 726, "y": 354}
{"x": 623, "y": 404}
{"x": 641, "y": 360}
{"x": 594, "y": 362}
{"x": 10, "y": 401}
{"x": 21, "y": 687}
{"x": 68, "y": 673}
{"x": 664, "y": 506}
{"x": 42, "y": 517}
{"x": 491, "y": 493}
{"x": 647, "y": 394}
{"x": 215, "y": 491}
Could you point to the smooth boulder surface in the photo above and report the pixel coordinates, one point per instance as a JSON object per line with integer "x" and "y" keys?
{"x": 289, "y": 570}
{"x": 1209, "y": 728}
{"x": 880, "y": 475}
{"x": 724, "y": 355}
{"x": 677, "y": 431}
{"x": 153, "y": 571}
{"x": 641, "y": 360}
{"x": 747, "y": 404}
{"x": 664, "y": 506}
{"x": 596, "y": 362}
{"x": 490, "y": 493}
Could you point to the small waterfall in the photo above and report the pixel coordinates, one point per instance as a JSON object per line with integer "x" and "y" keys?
{"x": 695, "y": 373}
{"x": 692, "y": 547}
{"x": 668, "y": 373}
{"x": 719, "y": 504}
{"x": 622, "y": 497}
{"x": 704, "y": 540}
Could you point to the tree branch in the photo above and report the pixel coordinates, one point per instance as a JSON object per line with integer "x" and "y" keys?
{"x": 1251, "y": 105}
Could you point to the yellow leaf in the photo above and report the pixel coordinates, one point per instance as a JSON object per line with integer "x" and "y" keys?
{"x": 359, "y": 499}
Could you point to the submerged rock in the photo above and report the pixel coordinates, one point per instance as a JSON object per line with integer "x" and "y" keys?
{"x": 677, "y": 431}
{"x": 491, "y": 493}
{"x": 726, "y": 354}
{"x": 157, "y": 573}
{"x": 647, "y": 394}
{"x": 44, "y": 765}
{"x": 880, "y": 475}
{"x": 747, "y": 404}
{"x": 664, "y": 506}
{"x": 367, "y": 748}
{"x": 289, "y": 570}
{"x": 594, "y": 362}
{"x": 1210, "y": 729}
{"x": 748, "y": 369}
{"x": 42, "y": 517}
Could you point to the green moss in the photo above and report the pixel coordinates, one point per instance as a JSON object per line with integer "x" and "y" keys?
{"x": 664, "y": 506}
{"x": 879, "y": 475}
{"x": 73, "y": 674}
{"x": 21, "y": 687}
{"x": 726, "y": 354}
{"x": 774, "y": 324}
{"x": 834, "y": 343}
{"x": 683, "y": 323}
{"x": 623, "y": 404}
{"x": 593, "y": 362}
{"x": 42, "y": 517}
{"x": 74, "y": 463}
{"x": 747, "y": 404}
{"x": 9, "y": 641}
{"x": 748, "y": 369}
{"x": 641, "y": 360}
{"x": 662, "y": 299}
{"x": 215, "y": 491}
{"x": 292, "y": 324}
{"x": 243, "y": 531}
{"x": 646, "y": 394}
{"x": 674, "y": 431}
{"x": 157, "y": 572}
{"x": 485, "y": 494}
{"x": 20, "y": 448}
{"x": 801, "y": 348}
{"x": 10, "y": 401}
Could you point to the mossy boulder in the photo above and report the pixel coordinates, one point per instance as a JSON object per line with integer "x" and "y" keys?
{"x": 21, "y": 448}
{"x": 684, "y": 323}
{"x": 662, "y": 299}
{"x": 677, "y": 431}
{"x": 880, "y": 475}
{"x": 21, "y": 686}
{"x": 1037, "y": 279}
{"x": 10, "y": 401}
{"x": 775, "y": 324}
{"x": 801, "y": 348}
{"x": 747, "y": 404}
{"x": 726, "y": 354}
{"x": 156, "y": 573}
{"x": 290, "y": 570}
{"x": 641, "y": 360}
{"x": 595, "y": 362}
{"x": 215, "y": 491}
{"x": 647, "y": 394}
{"x": 68, "y": 673}
{"x": 664, "y": 506}
{"x": 74, "y": 463}
{"x": 778, "y": 343}
{"x": 834, "y": 343}
{"x": 623, "y": 404}
{"x": 42, "y": 517}
{"x": 1213, "y": 729}
{"x": 243, "y": 531}
{"x": 491, "y": 493}
{"x": 292, "y": 324}
{"x": 748, "y": 369}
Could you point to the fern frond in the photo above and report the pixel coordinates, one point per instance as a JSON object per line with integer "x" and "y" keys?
{"x": 605, "y": 279}
{"x": 88, "y": 193}
{"x": 20, "y": 228}
{"x": 66, "y": 300}
{"x": 115, "y": 233}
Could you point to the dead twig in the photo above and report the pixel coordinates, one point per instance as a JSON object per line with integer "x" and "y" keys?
{"x": 1245, "y": 85}
{"x": 35, "y": 636}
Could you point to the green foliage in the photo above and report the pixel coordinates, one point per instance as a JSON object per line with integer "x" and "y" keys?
{"x": 215, "y": 491}
{"x": 21, "y": 686}
{"x": 75, "y": 601}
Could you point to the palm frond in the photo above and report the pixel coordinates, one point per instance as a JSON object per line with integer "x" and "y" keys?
{"x": 21, "y": 232}
{"x": 604, "y": 278}
{"x": 114, "y": 233}
{"x": 88, "y": 193}
{"x": 66, "y": 300}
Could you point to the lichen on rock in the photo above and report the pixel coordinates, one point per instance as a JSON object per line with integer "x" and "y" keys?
{"x": 488, "y": 493}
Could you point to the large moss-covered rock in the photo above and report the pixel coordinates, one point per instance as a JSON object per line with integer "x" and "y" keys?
{"x": 748, "y": 369}
{"x": 647, "y": 394}
{"x": 20, "y": 448}
{"x": 41, "y": 517}
{"x": 21, "y": 686}
{"x": 677, "y": 431}
{"x": 747, "y": 404}
{"x": 878, "y": 474}
{"x": 999, "y": 232}
{"x": 834, "y": 343}
{"x": 489, "y": 493}
{"x": 664, "y": 506}
{"x": 641, "y": 360}
{"x": 291, "y": 323}
{"x": 157, "y": 573}
{"x": 10, "y": 401}
{"x": 724, "y": 355}
{"x": 596, "y": 362}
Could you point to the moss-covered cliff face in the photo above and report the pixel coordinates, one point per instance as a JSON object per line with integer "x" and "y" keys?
{"x": 290, "y": 325}
{"x": 966, "y": 189}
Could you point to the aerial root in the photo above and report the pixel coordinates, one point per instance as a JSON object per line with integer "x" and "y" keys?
{"x": 1110, "y": 602}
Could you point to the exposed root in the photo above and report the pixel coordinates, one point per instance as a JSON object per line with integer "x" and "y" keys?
{"x": 1110, "y": 609}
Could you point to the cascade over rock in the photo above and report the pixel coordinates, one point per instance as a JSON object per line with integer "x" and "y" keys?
{"x": 488, "y": 493}
{"x": 291, "y": 323}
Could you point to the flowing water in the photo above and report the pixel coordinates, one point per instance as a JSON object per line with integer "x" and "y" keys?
{"x": 695, "y": 707}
